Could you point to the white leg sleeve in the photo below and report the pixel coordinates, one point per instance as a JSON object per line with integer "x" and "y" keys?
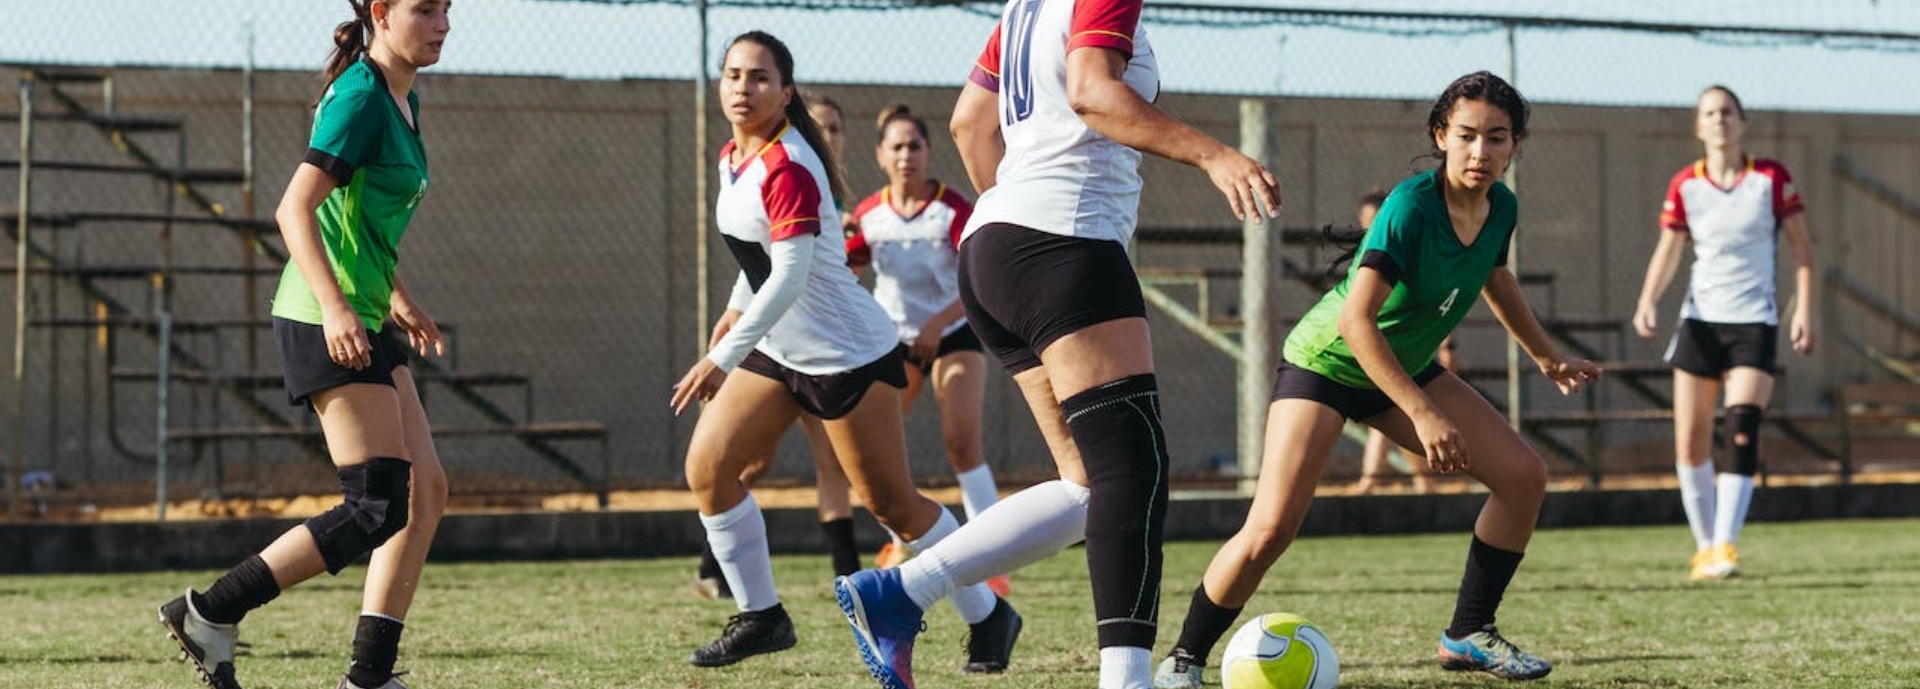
{"x": 739, "y": 540}
{"x": 1696, "y": 496}
{"x": 974, "y": 602}
{"x": 977, "y": 490}
{"x": 1027, "y": 527}
{"x": 1736, "y": 491}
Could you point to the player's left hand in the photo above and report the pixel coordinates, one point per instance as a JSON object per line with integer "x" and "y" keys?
{"x": 701, "y": 383}
{"x": 1801, "y": 332}
{"x": 926, "y": 345}
{"x": 422, "y": 332}
{"x": 1570, "y": 374}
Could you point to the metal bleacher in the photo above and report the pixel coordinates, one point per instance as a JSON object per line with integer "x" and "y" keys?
{"x": 209, "y": 359}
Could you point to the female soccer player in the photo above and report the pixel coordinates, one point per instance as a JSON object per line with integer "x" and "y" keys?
{"x": 805, "y": 338}
{"x": 830, "y": 482}
{"x": 1365, "y": 352}
{"x": 1732, "y": 208}
{"x": 907, "y": 233}
{"x": 342, "y": 217}
{"x": 1050, "y": 127}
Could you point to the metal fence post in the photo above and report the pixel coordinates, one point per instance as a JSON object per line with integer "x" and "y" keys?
{"x": 1257, "y": 256}
{"x": 17, "y": 456}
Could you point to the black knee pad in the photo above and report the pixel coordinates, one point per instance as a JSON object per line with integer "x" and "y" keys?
{"x": 373, "y": 507}
{"x": 1117, "y": 428}
{"x": 1742, "y": 429}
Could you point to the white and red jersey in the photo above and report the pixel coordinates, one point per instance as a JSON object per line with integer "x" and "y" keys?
{"x": 1059, "y": 175}
{"x": 779, "y": 192}
{"x": 916, "y": 260}
{"x": 1735, "y": 237}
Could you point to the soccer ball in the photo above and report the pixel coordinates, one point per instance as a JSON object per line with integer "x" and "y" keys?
{"x": 1279, "y": 651}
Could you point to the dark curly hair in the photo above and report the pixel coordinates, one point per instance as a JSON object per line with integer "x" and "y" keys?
{"x": 1482, "y": 86}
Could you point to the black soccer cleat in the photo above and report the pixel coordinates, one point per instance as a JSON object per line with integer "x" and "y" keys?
{"x": 990, "y": 641}
{"x": 747, "y": 634}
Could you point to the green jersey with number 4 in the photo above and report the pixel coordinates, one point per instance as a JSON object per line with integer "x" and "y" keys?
{"x": 1436, "y": 280}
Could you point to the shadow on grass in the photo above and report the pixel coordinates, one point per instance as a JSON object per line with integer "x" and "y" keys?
{"x": 86, "y": 660}
{"x": 454, "y": 654}
{"x": 482, "y": 654}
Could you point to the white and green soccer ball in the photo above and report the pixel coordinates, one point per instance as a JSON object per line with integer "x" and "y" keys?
{"x": 1279, "y": 651}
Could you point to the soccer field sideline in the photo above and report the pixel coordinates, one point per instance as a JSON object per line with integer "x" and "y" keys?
{"x": 555, "y": 535}
{"x": 1824, "y": 604}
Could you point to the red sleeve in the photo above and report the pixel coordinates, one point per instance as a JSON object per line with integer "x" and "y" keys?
{"x": 1673, "y": 211}
{"x": 962, "y": 209}
{"x": 986, "y": 70}
{"x": 792, "y": 198}
{"x": 1786, "y": 198}
{"x": 1104, "y": 24}
{"x": 859, "y": 253}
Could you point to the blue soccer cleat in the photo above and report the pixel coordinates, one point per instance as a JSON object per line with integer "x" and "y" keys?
{"x": 1487, "y": 651}
{"x": 885, "y": 622}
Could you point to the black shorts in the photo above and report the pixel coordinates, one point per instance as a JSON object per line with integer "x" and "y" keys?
{"x": 1023, "y": 289}
{"x": 962, "y": 340}
{"x": 308, "y": 368}
{"x": 1293, "y": 382}
{"x": 1710, "y": 350}
{"x": 836, "y": 394}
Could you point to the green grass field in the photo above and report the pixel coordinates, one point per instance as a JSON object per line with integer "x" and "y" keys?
{"x": 1828, "y": 604}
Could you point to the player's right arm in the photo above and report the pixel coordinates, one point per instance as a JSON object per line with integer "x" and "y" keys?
{"x": 976, "y": 133}
{"x": 347, "y": 342}
{"x": 1098, "y": 95}
{"x": 976, "y": 119}
{"x": 1660, "y": 270}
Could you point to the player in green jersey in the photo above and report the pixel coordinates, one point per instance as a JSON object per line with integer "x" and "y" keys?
{"x": 1366, "y": 352}
{"x": 342, "y": 218}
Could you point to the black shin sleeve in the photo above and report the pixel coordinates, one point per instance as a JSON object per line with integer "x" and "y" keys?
{"x": 1117, "y": 429}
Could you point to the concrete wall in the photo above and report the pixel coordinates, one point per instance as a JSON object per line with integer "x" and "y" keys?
{"x": 559, "y": 237}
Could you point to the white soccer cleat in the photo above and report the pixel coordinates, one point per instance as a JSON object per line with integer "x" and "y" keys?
{"x": 207, "y": 645}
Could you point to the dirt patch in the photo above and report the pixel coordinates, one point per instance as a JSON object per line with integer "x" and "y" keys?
{"x": 71, "y": 508}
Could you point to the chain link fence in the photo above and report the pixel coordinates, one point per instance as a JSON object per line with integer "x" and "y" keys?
{"x": 561, "y": 240}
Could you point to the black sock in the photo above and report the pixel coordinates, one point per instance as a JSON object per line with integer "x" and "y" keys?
{"x": 1489, "y": 570}
{"x": 1117, "y": 428}
{"x": 840, "y": 547}
{"x": 709, "y": 566}
{"x": 1206, "y": 623}
{"x": 247, "y": 586}
{"x": 376, "y": 645}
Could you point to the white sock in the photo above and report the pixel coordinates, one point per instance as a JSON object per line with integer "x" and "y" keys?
{"x": 1027, "y": 527}
{"x": 1696, "y": 495}
{"x": 977, "y": 490}
{"x": 739, "y": 540}
{"x": 974, "y": 602}
{"x": 1126, "y": 667}
{"x": 1736, "y": 491}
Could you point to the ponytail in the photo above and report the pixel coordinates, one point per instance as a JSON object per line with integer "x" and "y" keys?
{"x": 899, "y": 112}
{"x": 802, "y": 121}
{"x": 349, "y": 41}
